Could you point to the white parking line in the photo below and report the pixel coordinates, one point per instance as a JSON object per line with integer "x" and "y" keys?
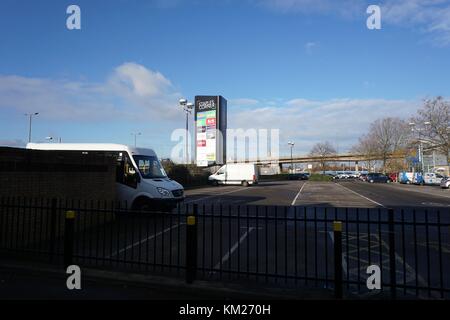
{"x": 344, "y": 263}
{"x": 298, "y": 194}
{"x": 421, "y": 191}
{"x": 398, "y": 258}
{"x": 233, "y": 248}
{"x": 373, "y": 201}
{"x": 216, "y": 195}
{"x": 144, "y": 240}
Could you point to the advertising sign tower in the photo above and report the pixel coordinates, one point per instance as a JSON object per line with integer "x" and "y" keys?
{"x": 210, "y": 130}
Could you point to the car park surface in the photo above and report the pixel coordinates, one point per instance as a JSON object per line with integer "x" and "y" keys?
{"x": 242, "y": 238}
{"x": 340, "y": 193}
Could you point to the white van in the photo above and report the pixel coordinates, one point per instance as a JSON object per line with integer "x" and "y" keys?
{"x": 244, "y": 174}
{"x": 141, "y": 181}
{"x": 432, "y": 178}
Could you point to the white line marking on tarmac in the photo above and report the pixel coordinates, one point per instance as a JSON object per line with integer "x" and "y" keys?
{"x": 344, "y": 263}
{"x": 298, "y": 194}
{"x": 373, "y": 201}
{"x": 423, "y": 192}
{"x": 144, "y": 240}
{"x": 215, "y": 195}
{"x": 398, "y": 258}
{"x": 233, "y": 248}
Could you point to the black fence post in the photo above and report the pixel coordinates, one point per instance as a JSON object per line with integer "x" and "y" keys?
{"x": 52, "y": 229}
{"x": 392, "y": 270}
{"x": 191, "y": 246}
{"x": 337, "y": 229}
{"x": 69, "y": 225}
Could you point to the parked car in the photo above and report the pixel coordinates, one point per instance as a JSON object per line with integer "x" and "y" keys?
{"x": 445, "y": 183}
{"x": 363, "y": 177}
{"x": 393, "y": 176}
{"x": 429, "y": 178}
{"x": 341, "y": 176}
{"x": 406, "y": 177}
{"x": 298, "y": 176}
{"x": 378, "y": 177}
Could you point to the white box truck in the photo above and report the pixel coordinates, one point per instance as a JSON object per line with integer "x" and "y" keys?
{"x": 244, "y": 174}
{"x": 141, "y": 181}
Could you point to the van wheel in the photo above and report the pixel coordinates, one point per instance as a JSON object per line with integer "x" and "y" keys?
{"x": 245, "y": 183}
{"x": 215, "y": 183}
{"x": 142, "y": 205}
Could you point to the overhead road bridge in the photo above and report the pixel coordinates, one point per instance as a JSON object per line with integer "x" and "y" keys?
{"x": 333, "y": 158}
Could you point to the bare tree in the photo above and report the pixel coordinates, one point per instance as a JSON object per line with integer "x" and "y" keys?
{"x": 322, "y": 150}
{"x": 433, "y": 121}
{"x": 367, "y": 147}
{"x": 390, "y": 135}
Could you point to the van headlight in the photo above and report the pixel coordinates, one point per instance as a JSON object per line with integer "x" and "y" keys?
{"x": 163, "y": 192}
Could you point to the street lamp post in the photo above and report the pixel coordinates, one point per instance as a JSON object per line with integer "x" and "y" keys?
{"x": 291, "y": 144}
{"x": 30, "y": 115}
{"x": 187, "y": 108}
{"x": 135, "y": 135}
{"x": 413, "y": 129}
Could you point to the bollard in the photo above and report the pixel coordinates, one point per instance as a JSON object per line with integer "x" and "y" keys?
{"x": 52, "y": 229}
{"x": 392, "y": 275}
{"x": 191, "y": 246}
{"x": 69, "y": 225}
{"x": 337, "y": 229}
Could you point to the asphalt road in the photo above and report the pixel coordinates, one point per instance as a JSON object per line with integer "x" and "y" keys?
{"x": 249, "y": 234}
{"x": 322, "y": 194}
{"x": 240, "y": 243}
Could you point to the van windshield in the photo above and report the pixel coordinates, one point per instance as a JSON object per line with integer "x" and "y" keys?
{"x": 150, "y": 167}
{"x": 221, "y": 170}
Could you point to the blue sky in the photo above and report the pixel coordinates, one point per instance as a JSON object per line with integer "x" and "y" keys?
{"x": 309, "y": 68}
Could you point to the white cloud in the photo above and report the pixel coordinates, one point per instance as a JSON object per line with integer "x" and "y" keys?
{"x": 430, "y": 17}
{"x": 243, "y": 102}
{"x": 340, "y": 121}
{"x": 345, "y": 8}
{"x": 132, "y": 79}
{"x": 131, "y": 92}
{"x": 309, "y": 46}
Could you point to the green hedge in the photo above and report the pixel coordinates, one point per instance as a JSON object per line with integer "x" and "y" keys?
{"x": 320, "y": 177}
{"x": 187, "y": 175}
{"x": 274, "y": 177}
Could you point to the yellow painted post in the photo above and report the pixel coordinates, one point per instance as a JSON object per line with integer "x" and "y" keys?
{"x": 69, "y": 227}
{"x": 337, "y": 230}
{"x": 191, "y": 246}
